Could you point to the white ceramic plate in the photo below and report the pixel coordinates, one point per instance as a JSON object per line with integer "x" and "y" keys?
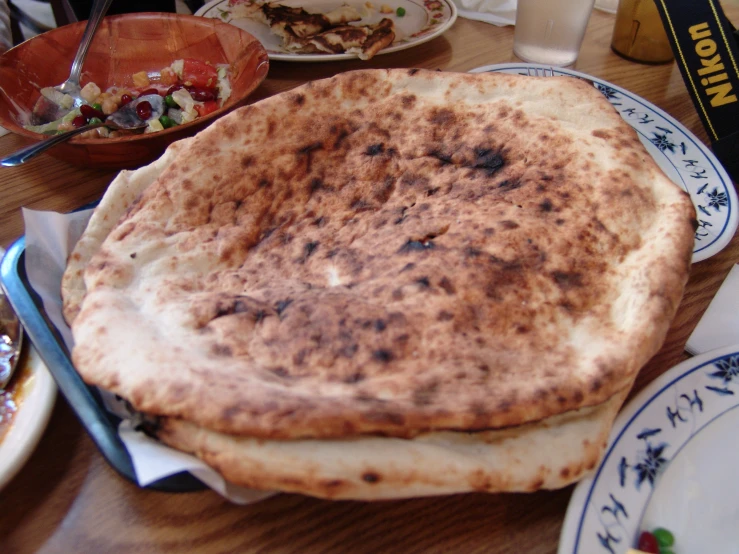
{"x": 684, "y": 158}
{"x": 423, "y": 21}
{"x": 30, "y": 420}
{"x": 671, "y": 462}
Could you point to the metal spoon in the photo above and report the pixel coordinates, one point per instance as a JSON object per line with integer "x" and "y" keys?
{"x": 11, "y": 339}
{"x": 125, "y": 118}
{"x": 45, "y": 111}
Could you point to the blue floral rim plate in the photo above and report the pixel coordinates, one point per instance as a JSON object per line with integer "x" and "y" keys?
{"x": 680, "y": 154}
{"x": 671, "y": 462}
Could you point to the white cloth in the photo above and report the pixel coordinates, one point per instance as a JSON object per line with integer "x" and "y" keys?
{"x": 497, "y": 12}
{"x": 608, "y": 6}
{"x": 719, "y": 326}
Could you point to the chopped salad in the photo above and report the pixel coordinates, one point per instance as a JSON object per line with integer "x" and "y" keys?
{"x": 191, "y": 89}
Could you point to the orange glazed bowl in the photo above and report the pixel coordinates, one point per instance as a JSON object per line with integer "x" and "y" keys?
{"x": 124, "y": 45}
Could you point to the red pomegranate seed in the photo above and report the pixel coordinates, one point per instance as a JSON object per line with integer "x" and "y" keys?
{"x": 89, "y": 112}
{"x": 86, "y": 110}
{"x": 149, "y": 91}
{"x": 79, "y": 121}
{"x": 143, "y": 110}
{"x": 125, "y": 99}
{"x": 173, "y": 88}
{"x": 200, "y": 94}
{"x": 648, "y": 543}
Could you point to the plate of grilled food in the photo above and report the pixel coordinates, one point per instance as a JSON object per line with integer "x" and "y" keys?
{"x": 329, "y": 30}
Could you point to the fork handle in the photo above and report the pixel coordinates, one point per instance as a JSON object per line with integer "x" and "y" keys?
{"x": 99, "y": 9}
{"x": 24, "y": 154}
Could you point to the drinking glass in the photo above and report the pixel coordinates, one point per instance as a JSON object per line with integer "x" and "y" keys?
{"x": 550, "y": 31}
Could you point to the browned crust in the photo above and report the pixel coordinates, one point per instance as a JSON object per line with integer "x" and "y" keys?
{"x": 304, "y": 32}
{"x": 494, "y": 266}
{"x": 294, "y": 20}
{"x": 549, "y": 455}
{"x": 382, "y": 35}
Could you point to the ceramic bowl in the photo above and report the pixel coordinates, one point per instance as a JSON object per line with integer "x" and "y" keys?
{"x": 124, "y": 45}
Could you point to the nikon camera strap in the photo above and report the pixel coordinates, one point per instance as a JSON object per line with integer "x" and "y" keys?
{"x": 705, "y": 48}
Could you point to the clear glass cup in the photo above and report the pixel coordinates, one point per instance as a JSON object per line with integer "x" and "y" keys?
{"x": 550, "y": 31}
{"x": 639, "y": 35}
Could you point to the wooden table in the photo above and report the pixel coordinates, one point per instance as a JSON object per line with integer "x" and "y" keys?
{"x": 67, "y": 499}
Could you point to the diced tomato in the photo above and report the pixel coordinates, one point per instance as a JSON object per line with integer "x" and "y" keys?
{"x": 206, "y": 107}
{"x": 199, "y": 74}
{"x": 648, "y": 543}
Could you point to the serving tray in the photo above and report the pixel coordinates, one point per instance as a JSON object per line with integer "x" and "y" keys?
{"x": 85, "y": 401}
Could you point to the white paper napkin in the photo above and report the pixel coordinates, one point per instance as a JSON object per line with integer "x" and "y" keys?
{"x": 497, "y": 12}
{"x": 719, "y": 326}
{"x": 3, "y": 131}
{"x": 609, "y": 6}
{"x": 50, "y": 238}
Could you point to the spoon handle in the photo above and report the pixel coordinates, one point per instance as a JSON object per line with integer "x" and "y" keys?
{"x": 99, "y": 9}
{"x": 24, "y": 154}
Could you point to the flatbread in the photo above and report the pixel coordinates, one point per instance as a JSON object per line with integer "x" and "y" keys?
{"x": 120, "y": 197}
{"x": 394, "y": 253}
{"x": 549, "y": 454}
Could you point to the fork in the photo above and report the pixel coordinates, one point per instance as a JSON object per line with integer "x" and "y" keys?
{"x": 43, "y": 108}
{"x": 549, "y": 72}
{"x": 540, "y": 71}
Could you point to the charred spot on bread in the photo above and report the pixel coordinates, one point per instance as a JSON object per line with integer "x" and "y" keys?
{"x": 371, "y": 477}
{"x": 375, "y": 149}
{"x": 382, "y": 355}
{"x": 416, "y": 245}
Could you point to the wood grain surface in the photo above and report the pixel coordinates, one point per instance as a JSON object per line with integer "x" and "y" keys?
{"x": 67, "y": 499}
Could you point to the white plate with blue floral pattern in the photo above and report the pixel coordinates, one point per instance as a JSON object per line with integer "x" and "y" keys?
{"x": 422, "y": 20}
{"x": 680, "y": 154}
{"x": 671, "y": 462}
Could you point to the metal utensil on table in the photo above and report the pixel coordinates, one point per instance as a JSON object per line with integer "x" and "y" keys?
{"x": 549, "y": 72}
{"x": 124, "y": 118}
{"x": 45, "y": 110}
{"x": 540, "y": 71}
{"x": 11, "y": 338}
